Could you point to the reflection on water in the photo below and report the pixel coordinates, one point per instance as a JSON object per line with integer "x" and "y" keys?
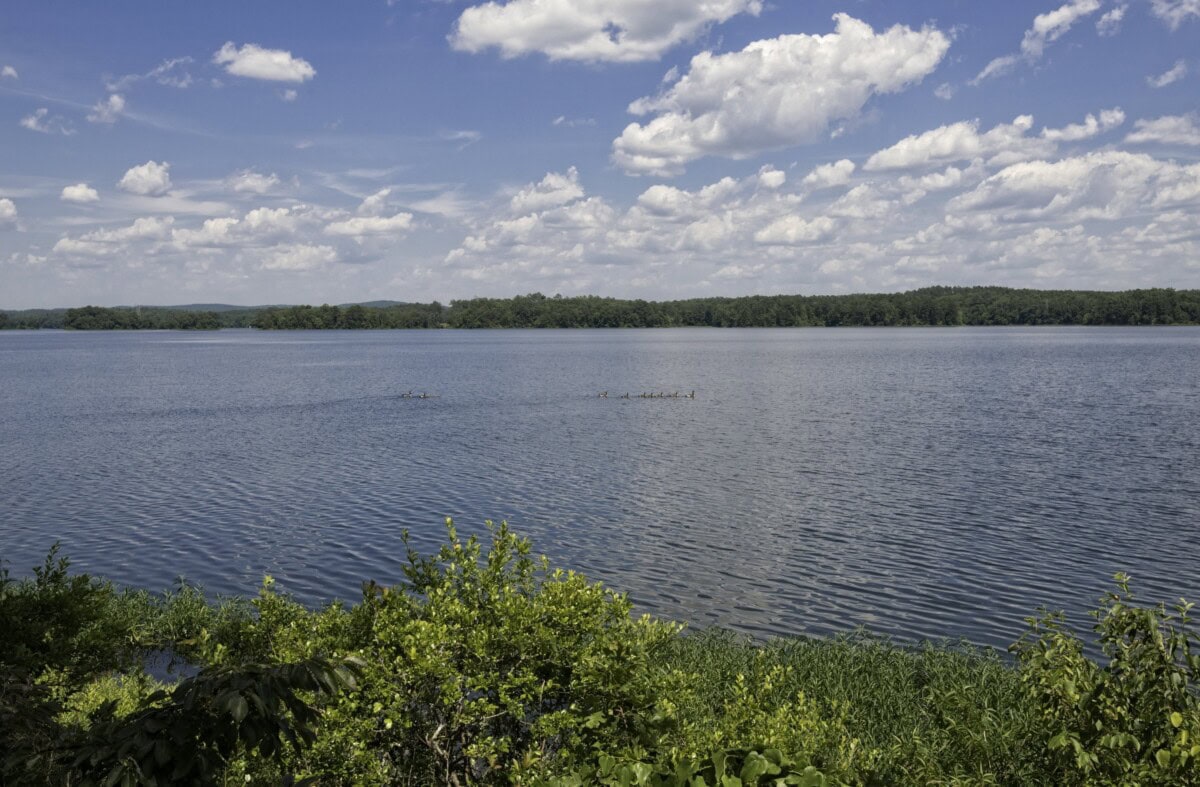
{"x": 925, "y": 483}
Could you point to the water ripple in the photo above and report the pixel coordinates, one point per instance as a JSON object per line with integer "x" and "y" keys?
{"x": 922, "y": 483}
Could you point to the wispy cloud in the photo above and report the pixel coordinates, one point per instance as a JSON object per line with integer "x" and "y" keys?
{"x": 1046, "y": 28}
{"x": 43, "y": 122}
{"x": 465, "y": 137}
{"x": 1173, "y": 74}
{"x": 171, "y": 73}
{"x": 1175, "y": 12}
{"x": 566, "y": 122}
{"x": 1110, "y": 23}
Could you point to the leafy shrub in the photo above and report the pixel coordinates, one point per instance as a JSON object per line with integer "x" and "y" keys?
{"x": 72, "y": 625}
{"x": 188, "y": 735}
{"x": 486, "y": 666}
{"x": 1135, "y": 720}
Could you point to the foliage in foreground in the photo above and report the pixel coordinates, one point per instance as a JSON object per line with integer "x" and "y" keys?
{"x": 487, "y": 666}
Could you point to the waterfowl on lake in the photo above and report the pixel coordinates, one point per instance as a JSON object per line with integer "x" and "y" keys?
{"x": 603, "y": 394}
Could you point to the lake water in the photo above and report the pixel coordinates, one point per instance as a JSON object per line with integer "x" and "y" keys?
{"x": 925, "y": 483}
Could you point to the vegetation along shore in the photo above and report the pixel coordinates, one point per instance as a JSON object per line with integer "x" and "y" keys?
{"x": 487, "y": 666}
{"x": 932, "y": 306}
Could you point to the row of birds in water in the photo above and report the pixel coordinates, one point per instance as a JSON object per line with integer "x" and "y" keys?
{"x": 651, "y": 395}
{"x": 601, "y": 395}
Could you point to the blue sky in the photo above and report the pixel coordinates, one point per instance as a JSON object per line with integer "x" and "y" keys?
{"x": 440, "y": 149}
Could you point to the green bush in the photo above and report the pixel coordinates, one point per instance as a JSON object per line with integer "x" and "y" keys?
{"x": 1135, "y": 720}
{"x": 487, "y": 666}
{"x": 492, "y": 667}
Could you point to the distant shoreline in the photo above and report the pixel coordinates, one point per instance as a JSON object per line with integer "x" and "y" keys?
{"x": 928, "y": 307}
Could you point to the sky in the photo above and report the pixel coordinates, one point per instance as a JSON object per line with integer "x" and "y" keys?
{"x": 415, "y": 150}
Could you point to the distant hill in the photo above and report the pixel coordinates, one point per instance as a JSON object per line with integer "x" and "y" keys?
{"x": 213, "y": 307}
{"x": 229, "y": 307}
{"x": 378, "y": 304}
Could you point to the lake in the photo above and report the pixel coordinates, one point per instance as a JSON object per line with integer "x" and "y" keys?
{"x": 924, "y": 483}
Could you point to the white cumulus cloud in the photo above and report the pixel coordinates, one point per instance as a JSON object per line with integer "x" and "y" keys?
{"x": 555, "y": 189}
{"x": 962, "y": 141}
{"x": 8, "y": 212}
{"x": 255, "y": 62}
{"x": 299, "y": 257}
{"x": 836, "y": 173}
{"x": 1107, "y": 220}
{"x": 108, "y": 242}
{"x": 771, "y": 178}
{"x": 794, "y": 231}
{"x": 591, "y": 30}
{"x": 151, "y": 179}
{"x": 80, "y": 192}
{"x": 774, "y": 93}
{"x": 1107, "y": 184}
{"x": 1167, "y": 130}
{"x": 8, "y": 72}
{"x": 1090, "y": 127}
{"x": 107, "y": 110}
{"x": 247, "y": 181}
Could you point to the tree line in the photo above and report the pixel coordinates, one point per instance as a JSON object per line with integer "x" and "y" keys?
{"x": 930, "y": 306}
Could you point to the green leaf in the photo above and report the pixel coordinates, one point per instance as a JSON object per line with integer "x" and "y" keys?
{"x": 754, "y": 766}
{"x": 238, "y": 708}
{"x": 1163, "y": 756}
{"x": 1177, "y": 719}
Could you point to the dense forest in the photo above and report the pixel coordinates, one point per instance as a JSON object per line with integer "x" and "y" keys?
{"x": 931, "y": 306}
{"x": 96, "y": 318}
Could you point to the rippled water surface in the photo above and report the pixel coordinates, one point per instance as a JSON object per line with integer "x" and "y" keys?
{"x": 921, "y": 482}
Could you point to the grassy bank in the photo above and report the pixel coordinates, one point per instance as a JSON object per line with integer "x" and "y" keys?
{"x": 488, "y": 666}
